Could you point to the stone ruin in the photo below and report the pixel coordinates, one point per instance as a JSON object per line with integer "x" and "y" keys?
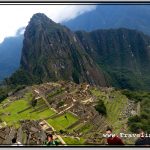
{"x": 29, "y": 133}
{"x": 77, "y": 100}
{"x": 129, "y": 110}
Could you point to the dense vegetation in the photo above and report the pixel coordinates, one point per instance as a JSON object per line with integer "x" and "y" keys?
{"x": 136, "y": 95}
{"x": 6, "y": 90}
{"x": 3, "y": 93}
{"x": 21, "y": 77}
{"x": 122, "y": 54}
{"x": 122, "y": 78}
{"x": 101, "y": 108}
{"x": 143, "y": 119}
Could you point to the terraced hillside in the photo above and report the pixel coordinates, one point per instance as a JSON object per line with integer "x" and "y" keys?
{"x": 67, "y": 110}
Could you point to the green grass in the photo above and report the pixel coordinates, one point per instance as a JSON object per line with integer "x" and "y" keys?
{"x": 61, "y": 123}
{"x": 81, "y": 128}
{"x": 73, "y": 141}
{"x": 76, "y": 127}
{"x": 114, "y": 106}
{"x": 56, "y": 92}
{"x": 85, "y": 128}
{"x": 96, "y": 92}
{"x": 19, "y": 105}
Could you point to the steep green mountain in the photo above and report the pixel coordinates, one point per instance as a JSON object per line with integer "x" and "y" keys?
{"x": 51, "y": 52}
{"x": 124, "y": 54}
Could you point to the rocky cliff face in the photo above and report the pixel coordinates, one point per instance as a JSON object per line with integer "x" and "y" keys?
{"x": 52, "y": 52}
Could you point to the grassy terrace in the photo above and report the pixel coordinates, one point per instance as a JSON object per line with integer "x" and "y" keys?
{"x": 22, "y": 110}
{"x": 74, "y": 141}
{"x": 61, "y": 123}
{"x": 85, "y": 128}
{"x": 114, "y": 106}
{"x": 82, "y": 127}
{"x": 11, "y": 116}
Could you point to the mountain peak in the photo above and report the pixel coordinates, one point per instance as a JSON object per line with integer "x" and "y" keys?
{"x": 39, "y": 15}
{"x": 40, "y": 18}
